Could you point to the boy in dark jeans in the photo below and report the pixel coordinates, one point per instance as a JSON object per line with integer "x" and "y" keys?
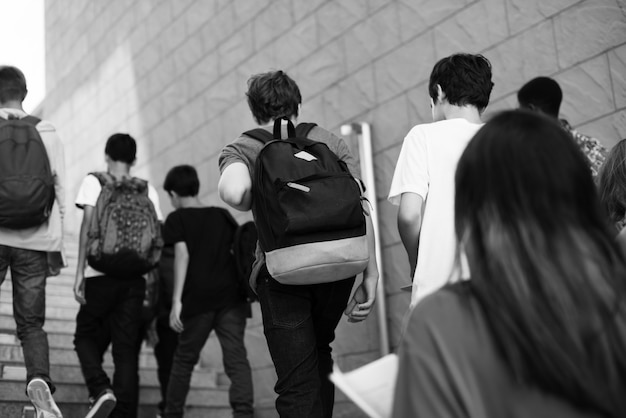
{"x": 207, "y": 295}
{"x": 111, "y": 307}
{"x": 299, "y": 321}
{"x": 24, "y": 251}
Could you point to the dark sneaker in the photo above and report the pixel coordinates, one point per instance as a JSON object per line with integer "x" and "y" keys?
{"x": 39, "y": 394}
{"x": 103, "y": 405}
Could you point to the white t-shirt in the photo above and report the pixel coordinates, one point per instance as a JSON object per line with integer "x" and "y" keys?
{"x": 88, "y": 196}
{"x": 426, "y": 166}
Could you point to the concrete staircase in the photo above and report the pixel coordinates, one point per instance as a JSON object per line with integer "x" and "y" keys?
{"x": 208, "y": 395}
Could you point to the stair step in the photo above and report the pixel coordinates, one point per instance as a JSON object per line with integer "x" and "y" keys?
{"x": 201, "y": 378}
{"x": 55, "y": 301}
{"x": 55, "y": 340}
{"x": 13, "y": 390}
{"x": 52, "y": 312}
{"x": 67, "y": 356}
{"x": 58, "y": 286}
{"x": 15, "y": 409}
{"x": 51, "y": 325}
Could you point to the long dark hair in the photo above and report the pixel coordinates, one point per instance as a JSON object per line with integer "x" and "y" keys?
{"x": 544, "y": 266}
{"x": 612, "y": 182}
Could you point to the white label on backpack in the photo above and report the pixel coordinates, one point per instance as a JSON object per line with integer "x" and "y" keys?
{"x": 299, "y": 187}
{"x": 303, "y": 155}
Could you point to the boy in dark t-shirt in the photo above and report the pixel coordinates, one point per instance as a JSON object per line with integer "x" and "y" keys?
{"x": 206, "y": 295}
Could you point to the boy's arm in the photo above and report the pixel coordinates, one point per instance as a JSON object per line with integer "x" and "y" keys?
{"x": 362, "y": 302}
{"x": 59, "y": 178}
{"x": 410, "y": 224}
{"x": 235, "y": 186}
{"x": 79, "y": 282}
{"x": 181, "y": 262}
{"x": 56, "y": 156}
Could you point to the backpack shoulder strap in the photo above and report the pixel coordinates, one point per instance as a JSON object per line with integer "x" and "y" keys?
{"x": 303, "y": 129}
{"x": 103, "y": 178}
{"x": 33, "y": 120}
{"x": 260, "y": 135}
{"x": 138, "y": 181}
{"x": 138, "y": 185}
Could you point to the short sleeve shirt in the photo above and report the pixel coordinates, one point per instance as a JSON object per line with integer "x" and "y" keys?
{"x": 245, "y": 150}
{"x": 426, "y": 166}
{"x": 211, "y": 282}
{"x": 449, "y": 365}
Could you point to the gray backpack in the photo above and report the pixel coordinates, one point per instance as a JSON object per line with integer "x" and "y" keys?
{"x": 26, "y": 180}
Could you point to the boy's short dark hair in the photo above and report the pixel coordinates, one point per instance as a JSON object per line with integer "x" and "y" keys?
{"x": 272, "y": 95}
{"x": 464, "y": 78}
{"x": 12, "y": 84}
{"x": 182, "y": 179}
{"x": 121, "y": 147}
{"x": 541, "y": 93}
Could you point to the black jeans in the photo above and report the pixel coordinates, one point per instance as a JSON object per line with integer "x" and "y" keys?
{"x": 112, "y": 311}
{"x": 299, "y": 324}
{"x": 164, "y": 351}
{"x": 28, "y": 275}
{"x": 229, "y": 324}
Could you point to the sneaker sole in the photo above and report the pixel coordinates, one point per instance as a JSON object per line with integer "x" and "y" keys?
{"x": 40, "y": 396}
{"x": 102, "y": 409}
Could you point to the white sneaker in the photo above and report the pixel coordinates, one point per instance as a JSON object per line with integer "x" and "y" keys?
{"x": 103, "y": 405}
{"x": 39, "y": 394}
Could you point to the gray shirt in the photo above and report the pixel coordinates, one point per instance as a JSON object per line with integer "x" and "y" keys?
{"x": 245, "y": 149}
{"x": 449, "y": 366}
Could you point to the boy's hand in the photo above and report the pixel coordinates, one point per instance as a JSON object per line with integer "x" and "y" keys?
{"x": 79, "y": 288}
{"x": 175, "y": 323}
{"x": 363, "y": 299}
{"x": 152, "y": 337}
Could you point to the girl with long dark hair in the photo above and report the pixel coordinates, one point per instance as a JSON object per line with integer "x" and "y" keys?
{"x": 540, "y": 328}
{"x": 612, "y": 186}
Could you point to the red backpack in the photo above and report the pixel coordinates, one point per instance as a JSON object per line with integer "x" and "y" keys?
{"x": 26, "y": 180}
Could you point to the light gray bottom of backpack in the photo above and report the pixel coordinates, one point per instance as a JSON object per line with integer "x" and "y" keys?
{"x": 318, "y": 262}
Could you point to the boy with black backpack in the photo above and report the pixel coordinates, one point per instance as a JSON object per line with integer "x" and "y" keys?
{"x": 314, "y": 238}
{"x": 207, "y": 293}
{"x": 120, "y": 240}
{"x": 32, "y": 177}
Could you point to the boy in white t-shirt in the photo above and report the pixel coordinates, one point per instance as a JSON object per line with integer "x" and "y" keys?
{"x": 110, "y": 308}
{"x": 423, "y": 181}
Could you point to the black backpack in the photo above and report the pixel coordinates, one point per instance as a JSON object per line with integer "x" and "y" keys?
{"x": 307, "y": 208}
{"x": 26, "y": 180}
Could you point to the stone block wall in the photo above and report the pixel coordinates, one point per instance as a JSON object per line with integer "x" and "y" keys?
{"x": 173, "y": 74}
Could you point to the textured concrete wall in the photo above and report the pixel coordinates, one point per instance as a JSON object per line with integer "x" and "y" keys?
{"x": 173, "y": 74}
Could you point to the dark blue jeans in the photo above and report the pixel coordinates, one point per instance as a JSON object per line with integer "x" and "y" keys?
{"x": 112, "y": 313}
{"x": 299, "y": 324}
{"x": 28, "y": 274}
{"x": 229, "y": 324}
